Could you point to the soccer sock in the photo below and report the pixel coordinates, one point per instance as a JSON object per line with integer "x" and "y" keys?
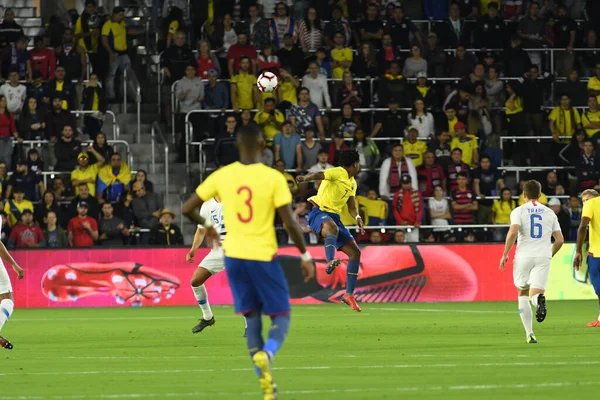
{"x": 202, "y": 298}
{"x": 534, "y": 299}
{"x": 526, "y": 314}
{"x": 6, "y": 309}
{"x": 598, "y": 314}
{"x": 351, "y": 275}
{"x": 254, "y": 337}
{"x": 280, "y": 325}
{"x": 330, "y": 247}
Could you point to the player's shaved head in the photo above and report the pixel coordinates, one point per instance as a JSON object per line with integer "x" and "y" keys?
{"x": 532, "y": 190}
{"x": 250, "y": 143}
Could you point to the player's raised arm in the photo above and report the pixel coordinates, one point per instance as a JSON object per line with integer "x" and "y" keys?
{"x": 316, "y": 176}
{"x": 295, "y": 231}
{"x": 5, "y": 255}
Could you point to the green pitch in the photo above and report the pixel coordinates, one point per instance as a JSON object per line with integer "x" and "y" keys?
{"x": 392, "y": 351}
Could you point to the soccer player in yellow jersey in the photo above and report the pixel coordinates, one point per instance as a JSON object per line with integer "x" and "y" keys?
{"x": 250, "y": 193}
{"x": 337, "y": 189}
{"x": 590, "y": 216}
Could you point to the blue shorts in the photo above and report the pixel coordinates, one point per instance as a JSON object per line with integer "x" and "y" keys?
{"x": 258, "y": 286}
{"x": 594, "y": 271}
{"x": 318, "y": 217}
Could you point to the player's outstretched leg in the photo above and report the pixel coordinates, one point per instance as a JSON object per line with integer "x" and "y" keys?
{"x": 200, "y": 276}
{"x": 353, "y": 252}
{"x": 6, "y": 309}
{"x": 539, "y": 302}
{"x": 526, "y": 315}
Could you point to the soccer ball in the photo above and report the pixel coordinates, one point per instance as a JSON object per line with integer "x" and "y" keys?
{"x": 267, "y": 82}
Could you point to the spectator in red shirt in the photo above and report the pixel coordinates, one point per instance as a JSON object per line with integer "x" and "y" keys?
{"x": 27, "y": 233}
{"x": 83, "y": 230}
{"x": 430, "y": 175}
{"x": 43, "y": 60}
{"x": 206, "y": 60}
{"x": 464, "y": 206}
{"x": 240, "y": 49}
{"x": 8, "y": 129}
{"x": 408, "y": 207}
{"x": 456, "y": 167}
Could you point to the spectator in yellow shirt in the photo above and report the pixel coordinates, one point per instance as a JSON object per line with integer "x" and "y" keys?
{"x": 564, "y": 120}
{"x": 467, "y": 143}
{"x": 590, "y": 119}
{"x": 270, "y": 119}
{"x": 280, "y": 166}
{"x": 341, "y": 57}
{"x": 86, "y": 173}
{"x": 413, "y": 148}
{"x": 244, "y": 93}
{"x": 13, "y": 208}
{"x": 501, "y": 210}
{"x": 594, "y": 84}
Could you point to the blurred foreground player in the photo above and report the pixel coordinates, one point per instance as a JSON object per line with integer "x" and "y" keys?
{"x": 535, "y": 225}
{"x": 251, "y": 193}
{"x": 7, "y": 303}
{"x": 590, "y": 216}
{"x": 337, "y": 189}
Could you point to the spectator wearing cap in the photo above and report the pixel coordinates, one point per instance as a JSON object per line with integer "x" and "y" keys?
{"x": 467, "y": 143}
{"x": 113, "y": 178}
{"x": 490, "y": 32}
{"x": 464, "y": 206}
{"x": 14, "y": 207}
{"x": 244, "y": 93}
{"x": 413, "y": 148}
{"x": 453, "y": 30}
{"x": 10, "y": 30}
{"x": 42, "y": 59}
{"x": 564, "y": 220}
{"x": 147, "y": 206}
{"x": 435, "y": 55}
{"x": 422, "y": 90}
{"x": 287, "y": 147}
{"x": 94, "y": 99}
{"x": 238, "y": 50}
{"x": 282, "y": 26}
{"x": 293, "y": 186}
{"x": 84, "y": 195}
{"x": 56, "y": 236}
{"x": 114, "y": 41}
{"x": 408, "y": 207}
{"x": 83, "y": 229}
{"x": 271, "y": 120}
{"x": 401, "y": 27}
{"x": 86, "y": 173}
{"x": 430, "y": 174}
{"x": 112, "y": 229}
{"x": 63, "y": 89}
{"x": 318, "y": 86}
{"x": 15, "y": 93}
{"x": 66, "y": 150}
{"x": 27, "y": 234}
{"x": 29, "y": 182}
{"x": 421, "y": 120}
{"x": 38, "y": 90}
{"x": 291, "y": 57}
{"x": 392, "y": 170}
{"x": 165, "y": 232}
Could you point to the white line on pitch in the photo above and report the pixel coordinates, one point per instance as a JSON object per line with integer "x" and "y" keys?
{"x": 178, "y": 371}
{"x": 457, "y": 388}
{"x": 191, "y": 317}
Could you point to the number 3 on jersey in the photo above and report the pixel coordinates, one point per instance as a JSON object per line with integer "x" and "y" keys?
{"x": 535, "y": 228}
{"x": 247, "y": 193}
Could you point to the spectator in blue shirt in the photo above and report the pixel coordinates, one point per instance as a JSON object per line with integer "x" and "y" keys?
{"x": 287, "y": 146}
{"x": 216, "y": 97}
{"x": 38, "y": 90}
{"x": 17, "y": 59}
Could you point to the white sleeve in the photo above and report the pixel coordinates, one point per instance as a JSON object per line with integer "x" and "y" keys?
{"x": 412, "y": 171}
{"x": 515, "y": 217}
{"x": 203, "y": 214}
{"x": 430, "y": 125}
{"x": 555, "y": 224}
{"x": 326, "y": 93}
{"x": 384, "y": 189}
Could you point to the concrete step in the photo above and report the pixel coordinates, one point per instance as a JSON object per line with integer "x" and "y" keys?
{"x": 174, "y": 187}
{"x": 23, "y": 12}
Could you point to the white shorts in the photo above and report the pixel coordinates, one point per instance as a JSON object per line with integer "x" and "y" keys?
{"x": 531, "y": 272}
{"x": 5, "y": 286}
{"x": 214, "y": 262}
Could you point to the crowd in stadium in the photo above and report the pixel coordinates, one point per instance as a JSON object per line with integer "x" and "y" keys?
{"x": 424, "y": 104}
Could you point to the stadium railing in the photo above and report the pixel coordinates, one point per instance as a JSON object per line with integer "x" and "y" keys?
{"x": 157, "y": 133}
{"x": 116, "y": 130}
{"x": 138, "y": 101}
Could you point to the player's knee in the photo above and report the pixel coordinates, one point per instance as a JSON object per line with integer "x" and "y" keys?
{"x": 196, "y": 281}
{"x": 330, "y": 229}
{"x": 355, "y": 253}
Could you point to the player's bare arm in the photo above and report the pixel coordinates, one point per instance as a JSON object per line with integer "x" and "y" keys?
{"x": 581, "y": 233}
{"x": 190, "y": 208}
{"x": 198, "y": 238}
{"x": 317, "y": 176}
{"x": 559, "y": 240}
{"x": 295, "y": 231}
{"x": 5, "y": 255}
{"x": 511, "y": 238}
{"x": 353, "y": 210}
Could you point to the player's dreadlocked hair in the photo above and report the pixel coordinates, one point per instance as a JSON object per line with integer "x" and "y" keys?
{"x": 348, "y": 158}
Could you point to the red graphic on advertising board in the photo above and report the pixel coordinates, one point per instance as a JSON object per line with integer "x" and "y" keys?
{"x": 136, "y": 277}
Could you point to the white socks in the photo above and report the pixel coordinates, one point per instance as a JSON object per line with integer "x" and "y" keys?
{"x": 202, "y": 299}
{"x": 6, "y": 309}
{"x": 534, "y": 299}
{"x": 526, "y": 314}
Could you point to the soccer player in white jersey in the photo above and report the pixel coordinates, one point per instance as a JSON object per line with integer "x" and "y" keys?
{"x": 7, "y": 303}
{"x": 535, "y": 225}
{"x": 213, "y": 263}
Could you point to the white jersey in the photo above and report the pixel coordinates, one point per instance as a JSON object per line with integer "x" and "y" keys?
{"x": 15, "y": 97}
{"x": 5, "y": 286}
{"x": 212, "y": 210}
{"x": 536, "y": 223}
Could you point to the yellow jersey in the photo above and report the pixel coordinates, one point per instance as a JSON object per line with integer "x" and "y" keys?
{"x": 467, "y": 146}
{"x": 518, "y": 103}
{"x": 91, "y": 172}
{"x": 270, "y": 128}
{"x": 249, "y": 194}
{"x": 415, "y": 151}
{"x": 502, "y": 210}
{"x": 116, "y": 32}
{"x": 245, "y": 90}
{"x": 563, "y": 124}
{"x": 543, "y": 199}
{"x": 288, "y": 92}
{"x": 93, "y": 39}
{"x": 594, "y": 84}
{"x": 25, "y": 204}
{"x": 589, "y": 208}
{"x": 588, "y": 117}
{"x": 339, "y": 55}
{"x": 59, "y": 88}
{"x": 335, "y": 190}
{"x": 451, "y": 123}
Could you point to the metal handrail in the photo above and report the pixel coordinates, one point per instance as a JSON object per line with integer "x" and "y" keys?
{"x": 53, "y": 174}
{"x": 138, "y": 100}
{"x": 173, "y": 107}
{"x": 124, "y": 90}
{"x": 107, "y": 112}
{"x": 157, "y": 129}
